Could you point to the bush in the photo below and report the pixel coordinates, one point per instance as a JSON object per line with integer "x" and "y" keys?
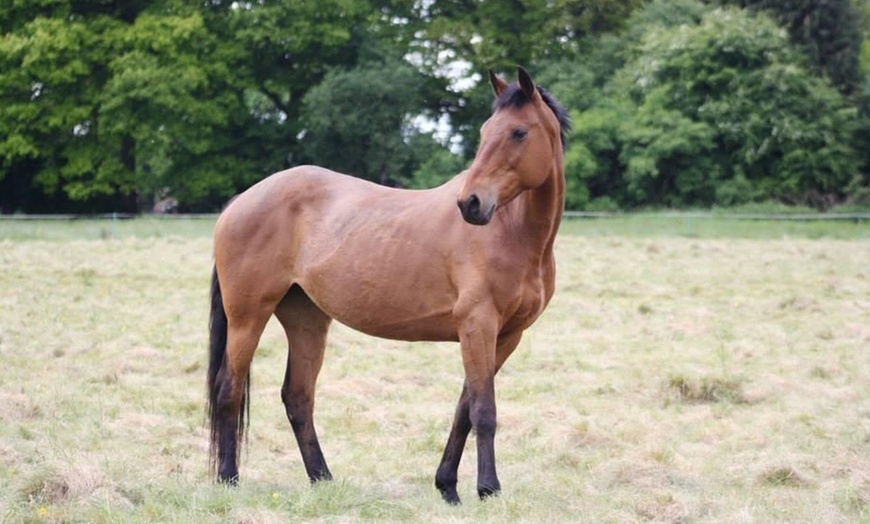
{"x": 720, "y": 111}
{"x": 436, "y": 170}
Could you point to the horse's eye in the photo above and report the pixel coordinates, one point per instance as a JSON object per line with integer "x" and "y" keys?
{"x": 519, "y": 134}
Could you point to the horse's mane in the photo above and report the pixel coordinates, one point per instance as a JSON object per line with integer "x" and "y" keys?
{"x": 513, "y": 96}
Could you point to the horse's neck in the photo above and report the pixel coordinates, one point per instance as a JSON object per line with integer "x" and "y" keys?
{"x": 539, "y": 211}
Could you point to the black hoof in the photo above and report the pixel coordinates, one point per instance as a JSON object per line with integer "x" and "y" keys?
{"x": 230, "y": 480}
{"x": 448, "y": 493}
{"x": 451, "y": 497}
{"x": 322, "y": 477}
{"x": 484, "y": 492}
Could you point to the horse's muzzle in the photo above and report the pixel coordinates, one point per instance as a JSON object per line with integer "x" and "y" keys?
{"x": 473, "y": 211}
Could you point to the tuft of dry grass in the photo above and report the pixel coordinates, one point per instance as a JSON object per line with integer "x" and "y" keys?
{"x": 705, "y": 389}
{"x": 783, "y": 476}
{"x": 674, "y": 378}
{"x": 60, "y": 482}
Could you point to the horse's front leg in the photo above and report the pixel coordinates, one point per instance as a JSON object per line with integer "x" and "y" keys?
{"x": 483, "y": 355}
{"x": 477, "y": 341}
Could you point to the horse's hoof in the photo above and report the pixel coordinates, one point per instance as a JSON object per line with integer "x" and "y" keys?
{"x": 448, "y": 492}
{"x": 231, "y": 480}
{"x": 451, "y": 497}
{"x": 484, "y": 492}
{"x": 322, "y": 477}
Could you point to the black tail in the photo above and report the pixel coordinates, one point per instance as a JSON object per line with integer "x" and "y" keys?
{"x": 217, "y": 352}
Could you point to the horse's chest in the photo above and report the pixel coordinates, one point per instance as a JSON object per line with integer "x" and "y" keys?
{"x": 530, "y": 303}
{"x": 526, "y": 291}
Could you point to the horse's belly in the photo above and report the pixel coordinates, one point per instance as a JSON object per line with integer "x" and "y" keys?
{"x": 381, "y": 306}
{"x": 435, "y": 328}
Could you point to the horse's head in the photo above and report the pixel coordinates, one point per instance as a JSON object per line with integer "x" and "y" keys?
{"x": 520, "y": 146}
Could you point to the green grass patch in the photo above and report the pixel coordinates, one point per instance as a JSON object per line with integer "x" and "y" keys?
{"x": 60, "y": 230}
{"x": 714, "y": 226}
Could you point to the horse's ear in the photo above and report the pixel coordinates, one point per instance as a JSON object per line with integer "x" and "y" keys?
{"x": 526, "y": 83}
{"x": 498, "y": 85}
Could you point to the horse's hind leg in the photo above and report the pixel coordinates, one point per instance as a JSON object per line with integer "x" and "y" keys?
{"x": 306, "y": 327}
{"x": 243, "y": 335}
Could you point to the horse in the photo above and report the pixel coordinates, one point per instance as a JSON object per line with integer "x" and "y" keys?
{"x": 309, "y": 245}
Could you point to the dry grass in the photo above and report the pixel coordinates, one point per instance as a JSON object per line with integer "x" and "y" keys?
{"x": 672, "y": 380}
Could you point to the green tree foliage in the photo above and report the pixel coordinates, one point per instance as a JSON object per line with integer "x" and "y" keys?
{"x": 120, "y": 103}
{"x": 101, "y": 100}
{"x": 169, "y": 109}
{"x": 859, "y": 188}
{"x": 110, "y": 105}
{"x": 439, "y": 167}
{"x": 357, "y": 121}
{"x": 278, "y": 50}
{"x": 52, "y": 71}
{"x": 133, "y": 100}
{"x": 499, "y": 35}
{"x": 863, "y": 8}
{"x": 720, "y": 111}
{"x": 828, "y": 32}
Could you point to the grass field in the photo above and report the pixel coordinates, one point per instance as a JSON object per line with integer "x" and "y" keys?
{"x": 686, "y": 371}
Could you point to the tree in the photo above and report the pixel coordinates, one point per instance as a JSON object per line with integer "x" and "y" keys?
{"x": 169, "y": 111}
{"x": 493, "y": 34}
{"x": 500, "y": 35}
{"x": 116, "y": 103}
{"x": 53, "y": 69}
{"x": 778, "y": 130}
{"x": 357, "y": 121}
{"x": 439, "y": 167}
{"x": 827, "y": 32}
{"x": 101, "y": 100}
{"x": 717, "y": 111}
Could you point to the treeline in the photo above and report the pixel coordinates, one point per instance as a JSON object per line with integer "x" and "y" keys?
{"x": 116, "y": 105}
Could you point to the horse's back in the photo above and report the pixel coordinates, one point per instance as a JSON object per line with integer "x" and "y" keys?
{"x": 285, "y": 199}
{"x": 314, "y": 189}
{"x": 372, "y": 257}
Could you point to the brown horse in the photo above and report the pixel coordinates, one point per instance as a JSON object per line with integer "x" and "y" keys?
{"x": 309, "y": 245}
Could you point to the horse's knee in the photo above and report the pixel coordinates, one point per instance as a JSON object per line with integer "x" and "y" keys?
{"x": 483, "y": 418}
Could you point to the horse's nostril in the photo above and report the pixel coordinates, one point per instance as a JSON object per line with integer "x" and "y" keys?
{"x": 473, "y": 205}
{"x": 472, "y": 211}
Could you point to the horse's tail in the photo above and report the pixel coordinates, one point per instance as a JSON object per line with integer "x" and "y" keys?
{"x": 218, "y": 381}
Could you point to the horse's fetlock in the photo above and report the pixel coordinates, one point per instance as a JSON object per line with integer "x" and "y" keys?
{"x": 445, "y": 482}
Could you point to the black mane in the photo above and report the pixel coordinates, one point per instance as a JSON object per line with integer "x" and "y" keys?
{"x": 513, "y": 96}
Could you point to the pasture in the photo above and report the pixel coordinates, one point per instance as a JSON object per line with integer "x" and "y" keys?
{"x": 685, "y": 371}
